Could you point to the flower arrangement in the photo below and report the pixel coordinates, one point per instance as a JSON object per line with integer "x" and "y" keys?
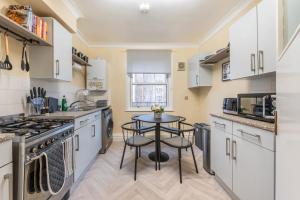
{"x": 158, "y": 110}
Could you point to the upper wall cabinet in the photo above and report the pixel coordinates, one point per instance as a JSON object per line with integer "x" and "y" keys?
{"x": 198, "y": 75}
{"x": 253, "y": 42}
{"x": 53, "y": 62}
{"x": 291, "y": 18}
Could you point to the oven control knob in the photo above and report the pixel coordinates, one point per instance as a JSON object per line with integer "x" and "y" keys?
{"x": 48, "y": 142}
{"x": 41, "y": 146}
{"x": 52, "y": 140}
{"x": 33, "y": 150}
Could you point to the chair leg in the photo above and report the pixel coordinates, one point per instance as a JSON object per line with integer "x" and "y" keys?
{"x": 123, "y": 156}
{"x": 159, "y": 159}
{"x": 140, "y": 151}
{"x": 155, "y": 157}
{"x": 179, "y": 159}
{"x": 136, "y": 157}
{"x": 194, "y": 159}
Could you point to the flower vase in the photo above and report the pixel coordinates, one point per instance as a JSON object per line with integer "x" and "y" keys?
{"x": 157, "y": 115}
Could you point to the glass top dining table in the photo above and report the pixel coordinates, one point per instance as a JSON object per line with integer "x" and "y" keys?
{"x": 165, "y": 118}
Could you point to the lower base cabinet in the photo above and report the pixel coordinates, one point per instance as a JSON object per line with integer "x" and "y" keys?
{"x": 6, "y": 178}
{"x": 87, "y": 142}
{"x": 253, "y": 171}
{"x": 244, "y": 159}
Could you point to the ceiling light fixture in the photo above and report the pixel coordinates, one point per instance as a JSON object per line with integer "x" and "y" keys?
{"x": 144, "y": 8}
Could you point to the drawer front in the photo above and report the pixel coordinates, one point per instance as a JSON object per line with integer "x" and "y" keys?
{"x": 221, "y": 124}
{"x": 83, "y": 121}
{"x": 6, "y": 153}
{"x": 257, "y": 136}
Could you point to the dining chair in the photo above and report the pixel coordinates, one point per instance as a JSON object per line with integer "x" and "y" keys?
{"x": 133, "y": 139}
{"x": 143, "y": 127}
{"x": 173, "y": 127}
{"x": 181, "y": 142}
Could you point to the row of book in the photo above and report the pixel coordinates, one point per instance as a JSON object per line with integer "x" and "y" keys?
{"x": 24, "y": 16}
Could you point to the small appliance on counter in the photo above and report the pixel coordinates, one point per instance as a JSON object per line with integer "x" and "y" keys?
{"x": 258, "y": 106}
{"x": 230, "y": 106}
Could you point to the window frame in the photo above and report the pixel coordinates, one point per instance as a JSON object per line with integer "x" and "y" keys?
{"x": 131, "y": 108}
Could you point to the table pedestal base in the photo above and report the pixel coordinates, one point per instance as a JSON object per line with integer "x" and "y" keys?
{"x": 164, "y": 157}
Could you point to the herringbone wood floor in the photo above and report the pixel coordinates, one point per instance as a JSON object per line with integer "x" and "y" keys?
{"x": 105, "y": 181}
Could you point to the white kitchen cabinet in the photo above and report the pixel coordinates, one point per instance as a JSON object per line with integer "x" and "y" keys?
{"x": 243, "y": 158}
{"x": 98, "y": 131}
{"x": 53, "y": 62}
{"x": 6, "y": 171}
{"x": 198, "y": 75}
{"x": 87, "y": 139}
{"x": 288, "y": 137}
{"x": 253, "y": 171}
{"x": 221, "y": 161}
{"x": 82, "y": 150}
{"x": 267, "y": 48}
{"x": 243, "y": 46}
{"x": 6, "y": 182}
{"x": 253, "y": 42}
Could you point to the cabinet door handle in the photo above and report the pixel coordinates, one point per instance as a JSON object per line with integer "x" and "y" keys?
{"x": 252, "y": 62}
{"x": 77, "y": 141}
{"x": 94, "y": 130}
{"x": 220, "y": 124}
{"x": 227, "y": 146}
{"x": 250, "y": 134}
{"x": 197, "y": 81}
{"x": 261, "y": 60}
{"x": 83, "y": 122}
{"x": 57, "y": 67}
{"x": 233, "y": 150}
{"x": 9, "y": 177}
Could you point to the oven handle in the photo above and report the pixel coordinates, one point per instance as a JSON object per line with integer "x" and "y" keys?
{"x": 9, "y": 177}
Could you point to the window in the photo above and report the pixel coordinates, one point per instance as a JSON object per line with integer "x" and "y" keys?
{"x": 149, "y": 73}
{"x": 149, "y": 89}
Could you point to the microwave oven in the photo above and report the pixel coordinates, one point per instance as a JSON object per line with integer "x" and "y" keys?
{"x": 258, "y": 106}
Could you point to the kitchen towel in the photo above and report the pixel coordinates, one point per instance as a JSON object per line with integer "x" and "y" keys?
{"x": 68, "y": 153}
{"x": 43, "y": 174}
{"x": 56, "y": 169}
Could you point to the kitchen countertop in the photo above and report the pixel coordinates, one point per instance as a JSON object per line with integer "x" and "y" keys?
{"x": 6, "y": 136}
{"x": 70, "y": 115}
{"x": 250, "y": 122}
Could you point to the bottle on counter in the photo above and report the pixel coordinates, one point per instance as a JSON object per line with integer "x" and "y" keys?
{"x": 64, "y": 104}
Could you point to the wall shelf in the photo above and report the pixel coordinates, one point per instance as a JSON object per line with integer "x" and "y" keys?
{"x": 222, "y": 54}
{"x": 20, "y": 33}
{"x": 80, "y": 61}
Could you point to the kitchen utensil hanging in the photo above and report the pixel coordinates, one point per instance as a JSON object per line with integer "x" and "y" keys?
{"x": 7, "y": 64}
{"x": 1, "y": 54}
{"x": 27, "y": 63}
{"x": 23, "y": 64}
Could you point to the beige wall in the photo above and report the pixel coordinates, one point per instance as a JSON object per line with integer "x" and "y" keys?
{"x": 116, "y": 60}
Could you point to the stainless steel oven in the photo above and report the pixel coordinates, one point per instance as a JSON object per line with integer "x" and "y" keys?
{"x": 259, "y": 106}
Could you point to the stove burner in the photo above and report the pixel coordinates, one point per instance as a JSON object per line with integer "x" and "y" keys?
{"x": 30, "y": 127}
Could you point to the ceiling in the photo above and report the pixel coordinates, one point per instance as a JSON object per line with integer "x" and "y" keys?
{"x": 113, "y": 22}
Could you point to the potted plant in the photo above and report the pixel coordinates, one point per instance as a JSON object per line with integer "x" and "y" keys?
{"x": 157, "y": 110}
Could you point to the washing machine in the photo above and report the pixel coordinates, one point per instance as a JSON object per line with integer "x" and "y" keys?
{"x": 107, "y": 129}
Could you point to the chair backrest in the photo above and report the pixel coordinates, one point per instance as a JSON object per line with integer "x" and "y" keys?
{"x": 140, "y": 124}
{"x": 187, "y": 131}
{"x": 130, "y": 129}
{"x": 177, "y": 123}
